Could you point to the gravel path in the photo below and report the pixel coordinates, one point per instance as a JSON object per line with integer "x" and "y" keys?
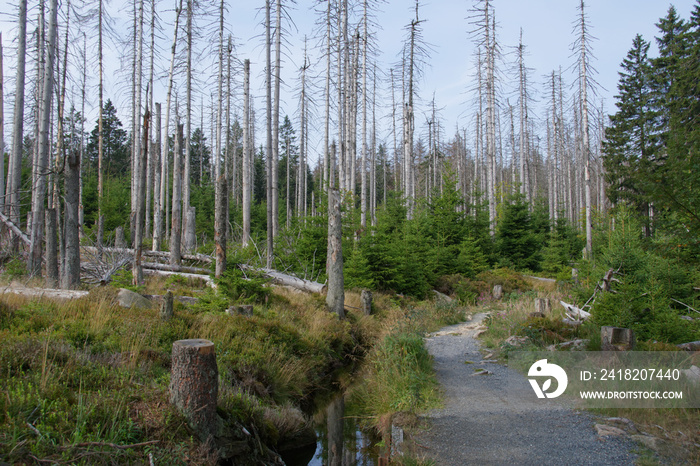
{"x": 484, "y": 423}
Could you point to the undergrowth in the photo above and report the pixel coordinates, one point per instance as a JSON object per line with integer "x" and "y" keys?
{"x": 83, "y": 376}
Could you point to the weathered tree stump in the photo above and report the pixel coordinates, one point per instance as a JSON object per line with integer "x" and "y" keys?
{"x": 574, "y": 275}
{"x": 543, "y": 305}
{"x": 617, "y": 339}
{"x": 497, "y": 292}
{"x": 194, "y": 384}
{"x": 166, "y": 307}
{"x": 366, "y": 299}
{"x": 243, "y": 310}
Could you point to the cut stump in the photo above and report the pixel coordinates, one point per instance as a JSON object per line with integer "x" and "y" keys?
{"x": 497, "y": 292}
{"x": 366, "y": 299}
{"x": 617, "y": 339}
{"x": 166, "y": 307}
{"x": 194, "y": 384}
{"x": 543, "y": 306}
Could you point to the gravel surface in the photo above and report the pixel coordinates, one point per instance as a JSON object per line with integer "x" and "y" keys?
{"x": 484, "y": 422}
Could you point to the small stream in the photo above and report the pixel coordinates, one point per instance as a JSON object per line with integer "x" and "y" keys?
{"x": 340, "y": 441}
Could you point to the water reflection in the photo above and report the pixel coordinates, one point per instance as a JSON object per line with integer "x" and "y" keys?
{"x": 340, "y": 440}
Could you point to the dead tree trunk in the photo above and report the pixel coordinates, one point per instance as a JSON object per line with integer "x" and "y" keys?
{"x": 39, "y": 187}
{"x": 175, "y": 230}
{"x": 335, "y": 299}
{"x": 246, "y": 170}
{"x": 194, "y": 384}
{"x": 366, "y": 299}
{"x": 71, "y": 268}
{"x": 141, "y": 203}
{"x": 14, "y": 166}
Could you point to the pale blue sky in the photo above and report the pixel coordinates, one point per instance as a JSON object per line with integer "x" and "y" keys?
{"x": 547, "y": 34}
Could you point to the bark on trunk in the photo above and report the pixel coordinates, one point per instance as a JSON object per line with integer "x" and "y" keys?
{"x": 139, "y": 226}
{"x": 71, "y": 274}
{"x": 39, "y": 187}
{"x": 194, "y": 384}
{"x": 14, "y": 169}
{"x": 176, "y": 216}
{"x": 335, "y": 299}
{"x": 246, "y": 175}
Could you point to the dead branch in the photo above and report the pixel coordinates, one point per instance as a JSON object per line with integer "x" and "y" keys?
{"x": 684, "y": 304}
{"x": 15, "y": 229}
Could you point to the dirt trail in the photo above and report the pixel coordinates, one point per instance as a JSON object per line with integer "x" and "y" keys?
{"x": 484, "y": 423}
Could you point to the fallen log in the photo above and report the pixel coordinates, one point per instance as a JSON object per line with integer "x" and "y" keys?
{"x": 159, "y": 254}
{"x": 175, "y": 268}
{"x": 574, "y": 312}
{"x": 50, "y": 293}
{"x": 280, "y": 278}
{"x": 206, "y": 278}
{"x": 690, "y": 346}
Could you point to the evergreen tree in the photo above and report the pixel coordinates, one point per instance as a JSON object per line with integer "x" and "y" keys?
{"x": 630, "y": 144}
{"x": 516, "y": 242}
{"x": 200, "y": 159}
{"x": 116, "y": 143}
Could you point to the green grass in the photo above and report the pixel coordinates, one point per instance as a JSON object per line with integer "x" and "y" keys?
{"x": 89, "y": 373}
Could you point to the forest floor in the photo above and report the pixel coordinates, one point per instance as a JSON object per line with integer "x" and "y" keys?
{"x": 482, "y": 423}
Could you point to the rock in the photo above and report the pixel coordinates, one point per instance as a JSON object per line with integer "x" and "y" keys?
{"x": 623, "y": 423}
{"x": 692, "y": 374}
{"x": 242, "y": 310}
{"x": 688, "y": 318}
{"x": 605, "y": 430}
{"x": 441, "y": 297}
{"x": 129, "y": 299}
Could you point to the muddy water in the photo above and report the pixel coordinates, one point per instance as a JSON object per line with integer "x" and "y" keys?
{"x": 340, "y": 441}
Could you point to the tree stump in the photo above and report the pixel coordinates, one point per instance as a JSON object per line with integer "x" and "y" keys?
{"x": 194, "y": 384}
{"x": 366, "y": 299}
{"x": 617, "y": 339}
{"x": 497, "y": 292}
{"x": 574, "y": 275}
{"x": 543, "y": 306}
{"x": 166, "y": 307}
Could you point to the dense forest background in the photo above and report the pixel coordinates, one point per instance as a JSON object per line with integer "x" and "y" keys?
{"x": 573, "y": 189}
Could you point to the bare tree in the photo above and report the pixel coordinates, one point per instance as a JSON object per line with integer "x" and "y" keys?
{"x": 159, "y": 227}
{"x": 187, "y": 229}
{"x": 335, "y": 298}
{"x": 582, "y": 45}
{"x": 176, "y": 216}
{"x": 268, "y": 148}
{"x": 39, "y": 185}
{"x": 247, "y": 181}
{"x": 220, "y": 175}
{"x": 136, "y": 269}
{"x": 2, "y": 130}
{"x": 14, "y": 171}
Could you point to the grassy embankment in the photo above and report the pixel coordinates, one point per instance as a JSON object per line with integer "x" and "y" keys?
{"x": 512, "y": 317}
{"x": 87, "y": 381}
